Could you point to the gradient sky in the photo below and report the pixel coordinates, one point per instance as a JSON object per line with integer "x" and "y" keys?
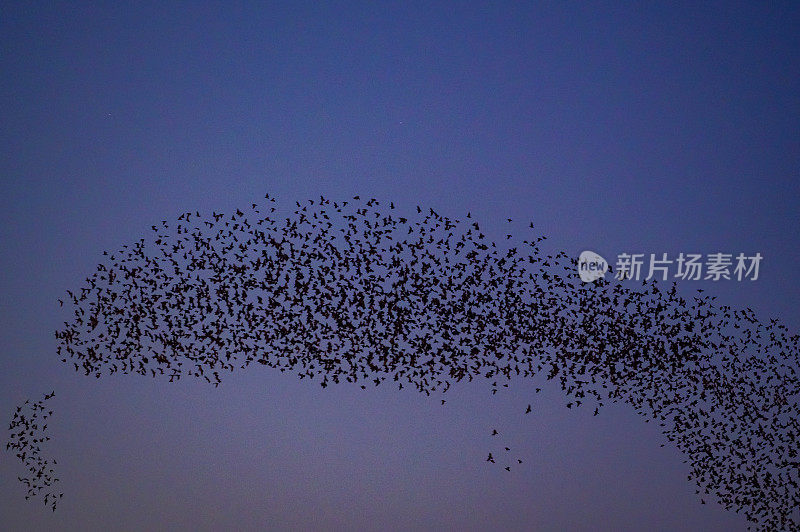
{"x": 614, "y": 127}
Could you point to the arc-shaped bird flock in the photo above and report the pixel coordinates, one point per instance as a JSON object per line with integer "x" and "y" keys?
{"x": 356, "y": 291}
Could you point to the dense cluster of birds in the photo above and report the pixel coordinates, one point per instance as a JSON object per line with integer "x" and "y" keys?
{"x": 28, "y": 427}
{"x": 356, "y": 291}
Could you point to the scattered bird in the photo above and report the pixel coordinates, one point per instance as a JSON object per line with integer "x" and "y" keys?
{"x": 28, "y": 431}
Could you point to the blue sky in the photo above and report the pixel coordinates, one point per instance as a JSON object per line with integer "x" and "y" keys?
{"x": 616, "y": 127}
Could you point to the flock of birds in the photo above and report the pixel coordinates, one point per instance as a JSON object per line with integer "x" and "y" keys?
{"x": 27, "y": 428}
{"x": 356, "y": 291}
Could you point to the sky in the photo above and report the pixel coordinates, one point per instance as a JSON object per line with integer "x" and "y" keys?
{"x": 615, "y": 127}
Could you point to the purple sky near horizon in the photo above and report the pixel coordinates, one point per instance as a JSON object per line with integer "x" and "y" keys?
{"x": 613, "y": 127}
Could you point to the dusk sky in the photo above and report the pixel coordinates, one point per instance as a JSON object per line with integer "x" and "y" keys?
{"x": 614, "y": 127}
